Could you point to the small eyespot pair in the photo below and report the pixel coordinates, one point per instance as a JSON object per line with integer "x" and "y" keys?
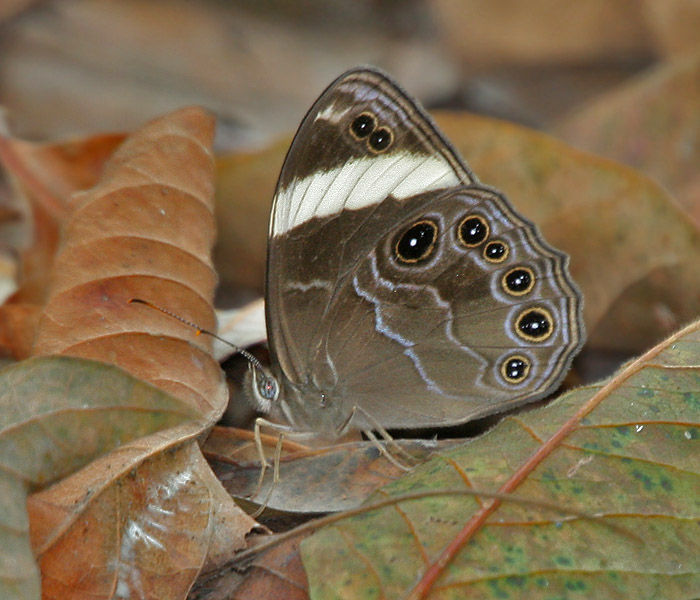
{"x": 364, "y": 127}
{"x": 474, "y": 230}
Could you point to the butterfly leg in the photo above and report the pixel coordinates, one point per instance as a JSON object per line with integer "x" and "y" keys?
{"x": 387, "y": 438}
{"x": 281, "y": 429}
{"x": 384, "y": 452}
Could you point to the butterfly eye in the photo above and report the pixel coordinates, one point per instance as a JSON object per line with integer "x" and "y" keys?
{"x": 363, "y": 125}
{"x": 380, "y": 139}
{"x": 534, "y": 325}
{"x": 518, "y": 281}
{"x": 416, "y": 243}
{"x": 496, "y": 251}
{"x": 473, "y": 230}
{"x": 267, "y": 387}
{"x": 515, "y": 369}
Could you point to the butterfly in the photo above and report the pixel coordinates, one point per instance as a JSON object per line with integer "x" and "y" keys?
{"x": 400, "y": 291}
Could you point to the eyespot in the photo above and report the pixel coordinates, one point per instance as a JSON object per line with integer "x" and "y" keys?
{"x": 515, "y": 368}
{"x": 518, "y": 281}
{"x": 380, "y": 139}
{"x": 363, "y": 125}
{"x": 473, "y": 230}
{"x": 416, "y": 243}
{"x": 496, "y": 251}
{"x": 534, "y": 324}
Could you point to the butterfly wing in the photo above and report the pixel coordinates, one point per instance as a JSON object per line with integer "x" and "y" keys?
{"x": 330, "y": 169}
{"x": 363, "y": 140}
{"x": 349, "y": 324}
{"x": 460, "y": 331}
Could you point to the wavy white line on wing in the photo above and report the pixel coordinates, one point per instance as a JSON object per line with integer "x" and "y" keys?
{"x": 384, "y": 328}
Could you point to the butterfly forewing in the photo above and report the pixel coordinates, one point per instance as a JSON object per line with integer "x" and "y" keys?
{"x": 334, "y": 166}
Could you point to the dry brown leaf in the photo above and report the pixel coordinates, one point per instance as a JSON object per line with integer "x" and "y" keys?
{"x": 483, "y": 32}
{"x": 277, "y": 573}
{"x": 115, "y": 64}
{"x": 245, "y": 184}
{"x": 54, "y": 171}
{"x": 57, "y": 414}
{"x": 312, "y": 480}
{"x": 145, "y": 231}
{"x": 147, "y": 530}
{"x": 652, "y": 124}
{"x": 45, "y": 176}
{"x": 674, "y": 25}
{"x": 17, "y": 326}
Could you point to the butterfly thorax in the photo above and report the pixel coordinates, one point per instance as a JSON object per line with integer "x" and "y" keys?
{"x": 308, "y": 407}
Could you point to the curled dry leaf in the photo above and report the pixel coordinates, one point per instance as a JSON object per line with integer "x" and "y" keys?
{"x": 145, "y": 231}
{"x": 311, "y": 480}
{"x": 608, "y": 476}
{"x": 148, "y": 530}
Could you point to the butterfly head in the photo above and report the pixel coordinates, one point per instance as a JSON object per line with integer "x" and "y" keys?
{"x": 307, "y": 406}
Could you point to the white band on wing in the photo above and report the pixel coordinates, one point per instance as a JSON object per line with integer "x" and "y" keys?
{"x": 360, "y": 182}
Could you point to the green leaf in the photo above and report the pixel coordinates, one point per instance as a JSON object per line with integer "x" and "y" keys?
{"x": 611, "y": 478}
{"x": 56, "y": 415}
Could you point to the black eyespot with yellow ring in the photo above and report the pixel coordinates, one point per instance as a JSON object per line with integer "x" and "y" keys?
{"x": 380, "y": 140}
{"x": 363, "y": 125}
{"x": 534, "y": 324}
{"x": 515, "y": 368}
{"x": 417, "y": 242}
{"x": 518, "y": 281}
{"x": 496, "y": 251}
{"x": 472, "y": 230}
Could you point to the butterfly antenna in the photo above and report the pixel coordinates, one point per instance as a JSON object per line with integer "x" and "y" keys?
{"x": 199, "y": 330}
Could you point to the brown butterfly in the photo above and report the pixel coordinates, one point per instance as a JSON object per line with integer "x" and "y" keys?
{"x": 401, "y": 292}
